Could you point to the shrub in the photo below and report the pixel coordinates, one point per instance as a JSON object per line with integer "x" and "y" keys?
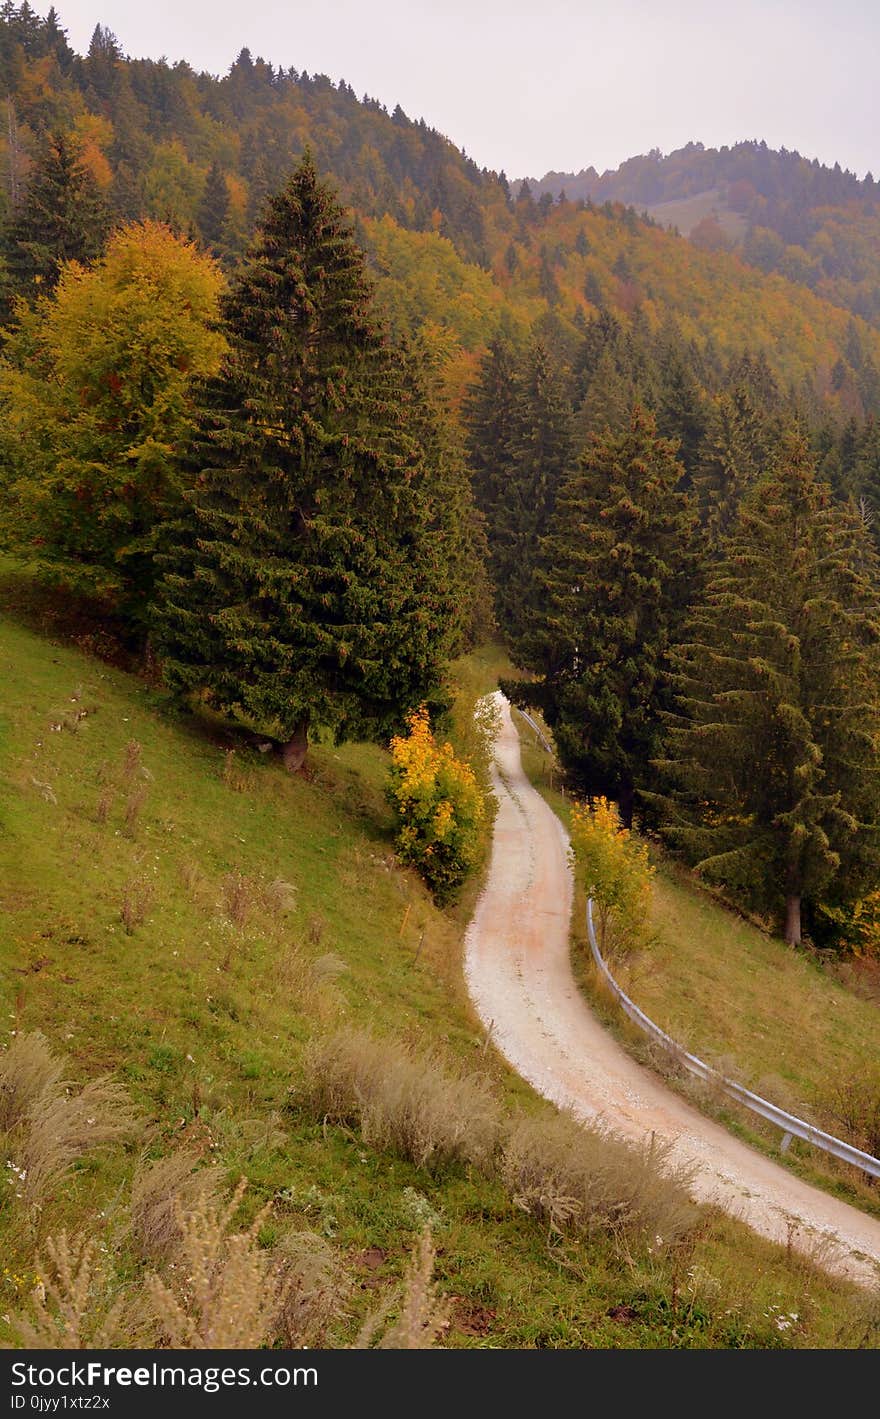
{"x": 438, "y": 806}
{"x": 614, "y": 870}
{"x": 856, "y": 1104}
{"x": 400, "y": 1100}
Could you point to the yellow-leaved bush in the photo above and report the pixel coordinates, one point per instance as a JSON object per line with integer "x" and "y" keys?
{"x": 438, "y": 805}
{"x": 615, "y": 871}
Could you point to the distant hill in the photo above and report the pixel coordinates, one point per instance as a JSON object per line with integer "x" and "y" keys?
{"x": 457, "y": 255}
{"x": 815, "y": 225}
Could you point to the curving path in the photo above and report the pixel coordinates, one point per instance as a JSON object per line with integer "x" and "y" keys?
{"x": 520, "y": 981}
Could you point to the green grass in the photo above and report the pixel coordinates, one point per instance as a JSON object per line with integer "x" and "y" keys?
{"x": 204, "y": 1022}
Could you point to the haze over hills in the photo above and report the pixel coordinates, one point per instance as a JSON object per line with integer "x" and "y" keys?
{"x": 456, "y": 253}
{"x": 784, "y": 213}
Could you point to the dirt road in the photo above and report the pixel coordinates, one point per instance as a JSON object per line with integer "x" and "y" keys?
{"x": 520, "y": 981}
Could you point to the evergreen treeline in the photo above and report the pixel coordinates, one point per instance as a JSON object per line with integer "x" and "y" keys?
{"x": 693, "y": 584}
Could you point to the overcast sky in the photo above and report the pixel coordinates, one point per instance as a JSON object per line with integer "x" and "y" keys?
{"x": 533, "y": 85}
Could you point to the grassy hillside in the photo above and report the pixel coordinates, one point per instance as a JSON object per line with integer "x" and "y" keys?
{"x": 260, "y": 911}
{"x": 784, "y": 1023}
{"x": 685, "y": 213}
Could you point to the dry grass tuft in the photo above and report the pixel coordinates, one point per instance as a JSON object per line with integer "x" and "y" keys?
{"x": 193, "y": 879}
{"x": 580, "y": 1180}
{"x": 62, "y": 1126}
{"x": 328, "y": 967}
{"x": 137, "y": 898}
{"x": 239, "y": 897}
{"x": 105, "y": 803}
{"x": 279, "y": 897}
{"x": 27, "y": 1072}
{"x": 225, "y": 1292}
{"x": 163, "y": 1192}
{"x": 72, "y": 1304}
{"x": 233, "y": 776}
{"x": 422, "y": 1317}
{"x": 315, "y": 1289}
{"x": 134, "y": 804}
{"x": 401, "y": 1101}
{"x": 48, "y": 1126}
{"x": 132, "y": 764}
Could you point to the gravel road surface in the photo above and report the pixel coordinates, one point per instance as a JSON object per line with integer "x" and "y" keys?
{"x": 521, "y": 984}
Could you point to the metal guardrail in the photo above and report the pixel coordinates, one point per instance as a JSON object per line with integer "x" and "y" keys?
{"x": 539, "y": 733}
{"x": 791, "y": 1126}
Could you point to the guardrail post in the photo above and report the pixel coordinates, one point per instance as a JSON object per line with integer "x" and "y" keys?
{"x": 785, "y": 1142}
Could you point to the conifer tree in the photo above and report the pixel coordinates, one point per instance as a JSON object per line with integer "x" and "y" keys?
{"x": 773, "y": 755}
{"x": 488, "y": 417}
{"x": 608, "y": 402}
{"x": 866, "y": 477}
{"x": 214, "y": 208}
{"x": 61, "y": 218}
{"x": 679, "y": 406}
{"x": 616, "y": 570}
{"x": 538, "y": 453}
{"x": 308, "y": 587}
{"x": 735, "y": 450}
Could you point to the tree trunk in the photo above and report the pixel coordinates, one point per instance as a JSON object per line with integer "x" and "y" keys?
{"x": 293, "y": 753}
{"x": 793, "y": 920}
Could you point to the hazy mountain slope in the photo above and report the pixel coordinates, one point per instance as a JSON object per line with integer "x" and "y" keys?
{"x": 817, "y": 225}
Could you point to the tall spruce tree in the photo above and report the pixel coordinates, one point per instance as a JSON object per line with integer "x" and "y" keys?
{"x": 680, "y": 404}
{"x": 488, "y": 417}
{"x": 774, "y": 755}
{"x": 735, "y": 450}
{"x": 615, "y": 573}
{"x": 61, "y": 218}
{"x": 538, "y": 452}
{"x": 308, "y": 586}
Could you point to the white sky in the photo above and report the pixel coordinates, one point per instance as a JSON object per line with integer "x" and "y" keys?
{"x": 533, "y": 85}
